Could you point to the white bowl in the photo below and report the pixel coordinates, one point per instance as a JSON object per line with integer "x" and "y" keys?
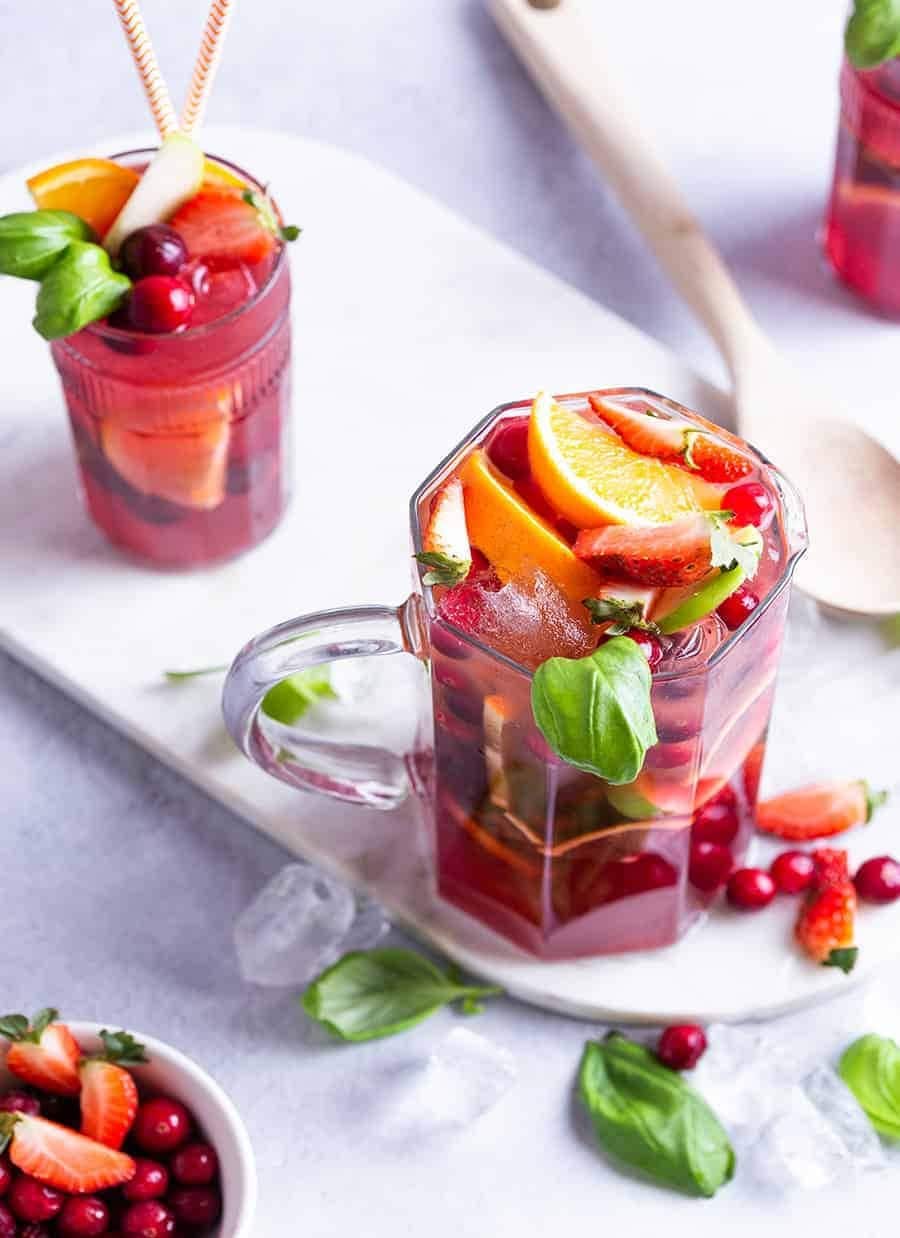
{"x": 170, "y": 1072}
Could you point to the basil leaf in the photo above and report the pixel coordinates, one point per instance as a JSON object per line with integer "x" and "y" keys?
{"x": 31, "y": 241}
{"x": 595, "y": 712}
{"x": 445, "y": 570}
{"x": 79, "y": 288}
{"x": 872, "y": 34}
{"x": 870, "y": 1067}
{"x": 646, "y": 1116}
{"x": 289, "y": 700}
{"x": 367, "y": 995}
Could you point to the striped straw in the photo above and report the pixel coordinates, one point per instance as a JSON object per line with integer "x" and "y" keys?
{"x": 148, "y": 69}
{"x": 207, "y": 63}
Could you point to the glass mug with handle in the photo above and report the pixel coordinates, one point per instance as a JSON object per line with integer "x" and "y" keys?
{"x": 560, "y": 861}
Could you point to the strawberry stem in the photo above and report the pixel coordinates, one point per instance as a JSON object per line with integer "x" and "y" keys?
{"x": 8, "y": 1123}
{"x": 844, "y": 957}
{"x": 16, "y": 1027}
{"x": 874, "y": 800}
{"x": 120, "y": 1048}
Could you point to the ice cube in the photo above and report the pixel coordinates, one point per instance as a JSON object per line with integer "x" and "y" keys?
{"x": 462, "y": 1078}
{"x": 819, "y": 1136}
{"x": 744, "y": 1075}
{"x": 530, "y": 620}
{"x": 299, "y": 923}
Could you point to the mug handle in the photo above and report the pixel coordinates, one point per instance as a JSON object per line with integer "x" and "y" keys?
{"x": 353, "y": 772}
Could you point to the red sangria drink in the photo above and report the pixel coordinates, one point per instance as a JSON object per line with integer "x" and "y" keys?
{"x": 164, "y": 289}
{"x": 605, "y": 594}
{"x": 862, "y": 227}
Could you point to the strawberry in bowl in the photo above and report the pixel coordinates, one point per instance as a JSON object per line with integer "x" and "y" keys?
{"x": 105, "y": 1134}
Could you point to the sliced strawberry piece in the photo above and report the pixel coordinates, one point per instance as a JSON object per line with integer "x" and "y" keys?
{"x": 820, "y": 810}
{"x": 222, "y": 228}
{"x": 714, "y": 459}
{"x": 109, "y": 1095}
{"x": 826, "y": 926}
{"x": 677, "y": 553}
{"x": 43, "y": 1052}
{"x": 446, "y": 550}
{"x": 62, "y": 1158}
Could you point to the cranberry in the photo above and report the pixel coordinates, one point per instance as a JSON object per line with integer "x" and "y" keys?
{"x": 18, "y": 1101}
{"x": 448, "y": 644}
{"x": 648, "y": 871}
{"x": 507, "y": 448}
{"x": 161, "y": 1125}
{"x": 793, "y": 871}
{"x": 5, "y": 1176}
{"x": 649, "y": 645}
{"x": 710, "y": 866}
{"x": 878, "y": 880}
{"x": 154, "y": 250}
{"x": 681, "y": 1046}
{"x": 750, "y": 889}
{"x": 30, "y": 1200}
{"x": 737, "y": 606}
{"x": 148, "y": 1219}
{"x": 196, "y": 1206}
{"x": 716, "y": 822}
{"x": 196, "y": 1164}
{"x": 150, "y": 1181}
{"x": 7, "y": 1223}
{"x": 751, "y": 504}
{"x": 39, "y": 1231}
{"x": 158, "y": 304}
{"x": 83, "y": 1216}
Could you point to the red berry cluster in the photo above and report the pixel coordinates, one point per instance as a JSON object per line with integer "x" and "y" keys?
{"x": 174, "y": 1191}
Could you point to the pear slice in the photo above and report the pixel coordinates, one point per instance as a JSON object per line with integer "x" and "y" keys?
{"x": 678, "y": 609}
{"x": 173, "y": 175}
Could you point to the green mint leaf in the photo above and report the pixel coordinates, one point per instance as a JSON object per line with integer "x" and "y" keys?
{"x": 181, "y": 676}
{"x": 31, "y": 241}
{"x": 121, "y": 1048}
{"x": 289, "y": 700}
{"x": 870, "y": 1067}
{"x": 733, "y": 547}
{"x": 79, "y": 288}
{"x": 444, "y": 569}
{"x": 289, "y": 232}
{"x": 872, "y": 34}
{"x": 595, "y": 712}
{"x": 650, "y": 1119}
{"x": 844, "y": 958}
{"x": 622, "y": 615}
{"x": 367, "y": 995}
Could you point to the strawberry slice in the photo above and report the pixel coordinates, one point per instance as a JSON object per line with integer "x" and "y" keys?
{"x": 109, "y": 1095}
{"x": 60, "y": 1157}
{"x": 446, "y": 550}
{"x": 714, "y": 459}
{"x": 43, "y": 1052}
{"x": 827, "y": 921}
{"x": 678, "y": 553}
{"x": 225, "y": 229}
{"x": 820, "y": 810}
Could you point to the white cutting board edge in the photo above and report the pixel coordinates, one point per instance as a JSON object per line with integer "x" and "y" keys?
{"x": 459, "y": 295}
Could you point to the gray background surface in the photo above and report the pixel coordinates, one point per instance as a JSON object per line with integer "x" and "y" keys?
{"x": 118, "y": 882}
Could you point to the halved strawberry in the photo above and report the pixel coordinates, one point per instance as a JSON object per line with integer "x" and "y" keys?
{"x": 713, "y": 458}
{"x": 109, "y": 1095}
{"x": 43, "y": 1052}
{"x": 820, "y": 810}
{"x": 678, "y": 553}
{"x": 224, "y": 229}
{"x": 60, "y": 1157}
{"x": 445, "y": 546}
{"x": 827, "y": 921}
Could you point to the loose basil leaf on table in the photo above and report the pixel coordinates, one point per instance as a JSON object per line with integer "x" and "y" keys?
{"x": 595, "y": 712}
{"x": 79, "y": 288}
{"x": 31, "y": 241}
{"x": 870, "y": 1067}
{"x": 650, "y": 1119}
{"x": 872, "y": 34}
{"x": 369, "y": 994}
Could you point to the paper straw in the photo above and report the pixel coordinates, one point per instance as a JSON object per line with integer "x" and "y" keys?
{"x": 146, "y": 64}
{"x": 207, "y": 63}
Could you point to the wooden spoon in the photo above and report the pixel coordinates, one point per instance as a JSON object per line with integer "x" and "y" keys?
{"x": 850, "y": 483}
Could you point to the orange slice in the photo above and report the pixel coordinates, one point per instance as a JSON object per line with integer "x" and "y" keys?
{"x": 513, "y": 537}
{"x": 188, "y": 468}
{"x": 95, "y": 189}
{"x": 591, "y": 477}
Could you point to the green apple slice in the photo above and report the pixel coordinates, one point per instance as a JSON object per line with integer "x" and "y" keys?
{"x": 711, "y": 593}
{"x": 173, "y": 175}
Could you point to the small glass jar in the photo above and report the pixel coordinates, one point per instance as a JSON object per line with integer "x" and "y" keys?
{"x": 862, "y": 225}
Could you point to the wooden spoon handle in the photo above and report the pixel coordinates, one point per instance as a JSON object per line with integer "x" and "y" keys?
{"x": 560, "y": 47}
